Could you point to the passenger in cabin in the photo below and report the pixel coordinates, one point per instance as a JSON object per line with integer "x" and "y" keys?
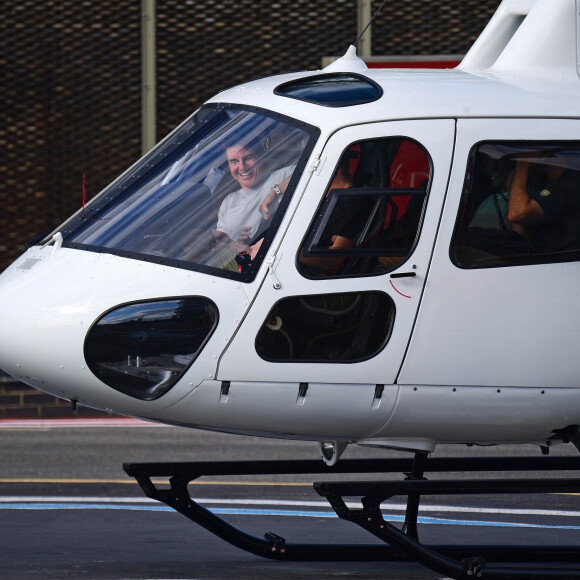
{"x": 358, "y": 222}
{"x": 492, "y": 213}
{"x": 344, "y": 221}
{"x": 544, "y": 202}
{"x": 493, "y": 175}
{"x": 534, "y": 211}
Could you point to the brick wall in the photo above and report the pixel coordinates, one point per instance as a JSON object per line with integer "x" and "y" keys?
{"x": 19, "y": 401}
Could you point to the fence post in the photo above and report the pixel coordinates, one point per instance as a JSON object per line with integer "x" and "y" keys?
{"x": 148, "y": 77}
{"x": 363, "y": 17}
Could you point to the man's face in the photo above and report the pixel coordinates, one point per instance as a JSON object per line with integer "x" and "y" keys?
{"x": 245, "y": 166}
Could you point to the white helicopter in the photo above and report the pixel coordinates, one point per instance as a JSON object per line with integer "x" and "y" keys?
{"x": 347, "y": 256}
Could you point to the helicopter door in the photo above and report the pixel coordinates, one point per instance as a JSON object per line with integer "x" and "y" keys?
{"x": 501, "y": 303}
{"x": 340, "y": 299}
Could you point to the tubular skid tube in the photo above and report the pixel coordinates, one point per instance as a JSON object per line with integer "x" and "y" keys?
{"x": 456, "y": 561}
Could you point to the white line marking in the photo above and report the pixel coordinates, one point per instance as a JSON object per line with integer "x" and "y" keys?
{"x": 275, "y": 512}
{"x": 61, "y": 423}
{"x": 291, "y": 503}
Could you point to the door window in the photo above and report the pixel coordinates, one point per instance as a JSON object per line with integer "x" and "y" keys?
{"x": 520, "y": 205}
{"x": 371, "y": 212}
{"x": 345, "y": 327}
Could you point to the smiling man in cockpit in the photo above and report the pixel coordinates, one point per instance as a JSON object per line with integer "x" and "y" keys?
{"x": 239, "y": 218}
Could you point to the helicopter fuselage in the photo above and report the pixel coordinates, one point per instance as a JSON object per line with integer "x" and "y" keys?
{"x": 429, "y": 325}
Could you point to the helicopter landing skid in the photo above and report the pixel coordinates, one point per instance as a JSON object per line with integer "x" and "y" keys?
{"x": 457, "y": 561}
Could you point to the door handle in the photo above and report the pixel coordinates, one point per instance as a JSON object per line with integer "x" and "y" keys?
{"x": 403, "y": 274}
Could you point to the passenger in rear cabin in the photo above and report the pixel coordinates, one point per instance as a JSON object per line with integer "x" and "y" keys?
{"x": 544, "y": 202}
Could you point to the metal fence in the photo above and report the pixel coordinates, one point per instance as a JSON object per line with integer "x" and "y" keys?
{"x": 70, "y": 104}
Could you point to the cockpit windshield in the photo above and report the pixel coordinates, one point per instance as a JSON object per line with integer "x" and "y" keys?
{"x": 209, "y": 197}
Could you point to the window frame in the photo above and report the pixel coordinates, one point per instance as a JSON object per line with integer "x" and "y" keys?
{"x": 326, "y": 212}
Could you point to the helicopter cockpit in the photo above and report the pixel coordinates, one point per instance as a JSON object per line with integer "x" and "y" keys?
{"x": 168, "y": 208}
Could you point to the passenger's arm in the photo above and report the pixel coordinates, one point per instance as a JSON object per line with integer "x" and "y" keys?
{"x": 271, "y": 197}
{"x": 522, "y": 209}
{"x": 328, "y": 264}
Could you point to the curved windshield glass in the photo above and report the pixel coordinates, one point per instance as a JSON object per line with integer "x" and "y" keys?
{"x": 208, "y": 198}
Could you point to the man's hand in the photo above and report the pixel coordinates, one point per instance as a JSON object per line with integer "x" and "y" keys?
{"x": 245, "y": 234}
{"x": 223, "y": 240}
{"x": 254, "y": 249}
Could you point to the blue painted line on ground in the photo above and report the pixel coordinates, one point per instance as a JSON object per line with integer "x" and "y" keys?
{"x": 274, "y": 512}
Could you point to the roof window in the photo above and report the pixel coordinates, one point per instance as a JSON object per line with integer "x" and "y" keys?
{"x": 332, "y": 90}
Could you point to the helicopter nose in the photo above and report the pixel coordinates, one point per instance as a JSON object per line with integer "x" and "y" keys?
{"x": 40, "y": 326}
{"x": 64, "y": 334}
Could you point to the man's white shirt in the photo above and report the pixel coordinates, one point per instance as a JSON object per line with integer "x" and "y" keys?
{"x": 240, "y": 208}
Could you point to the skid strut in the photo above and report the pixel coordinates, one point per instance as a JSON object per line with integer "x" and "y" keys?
{"x": 456, "y": 561}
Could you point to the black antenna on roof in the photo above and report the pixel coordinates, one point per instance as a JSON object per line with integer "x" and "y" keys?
{"x": 370, "y": 22}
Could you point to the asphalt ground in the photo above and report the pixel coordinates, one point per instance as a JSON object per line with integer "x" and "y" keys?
{"x": 68, "y": 510}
